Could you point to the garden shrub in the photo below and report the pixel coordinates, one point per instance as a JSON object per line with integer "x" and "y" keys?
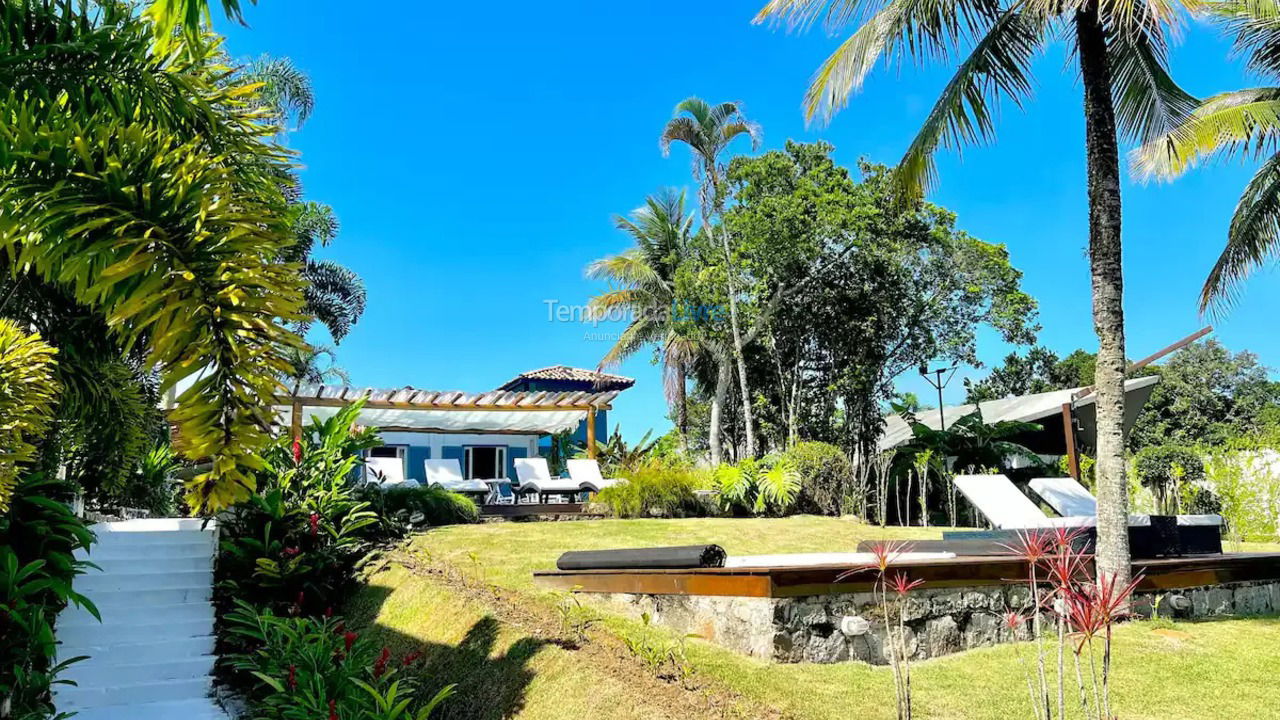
{"x": 316, "y": 668}
{"x": 826, "y": 476}
{"x": 1173, "y": 474}
{"x": 38, "y": 538}
{"x": 295, "y": 543}
{"x": 422, "y": 506}
{"x": 769, "y": 485}
{"x": 663, "y": 487}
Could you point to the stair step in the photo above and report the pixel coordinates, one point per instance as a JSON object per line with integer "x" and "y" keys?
{"x": 135, "y": 614}
{"x": 94, "y": 581}
{"x": 75, "y": 698}
{"x": 162, "y": 596}
{"x": 201, "y": 709}
{"x": 96, "y": 673}
{"x": 101, "y": 636}
{"x": 151, "y": 651}
{"x": 126, "y": 565}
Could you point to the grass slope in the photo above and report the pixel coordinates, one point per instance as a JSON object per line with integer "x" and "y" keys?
{"x": 1197, "y": 671}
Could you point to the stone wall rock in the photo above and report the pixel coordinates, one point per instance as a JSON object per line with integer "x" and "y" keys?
{"x": 940, "y": 621}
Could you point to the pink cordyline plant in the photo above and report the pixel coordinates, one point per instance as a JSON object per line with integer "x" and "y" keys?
{"x": 1084, "y": 610}
{"x": 884, "y": 554}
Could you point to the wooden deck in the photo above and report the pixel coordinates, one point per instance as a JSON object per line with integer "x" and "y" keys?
{"x": 964, "y": 571}
{"x": 533, "y": 510}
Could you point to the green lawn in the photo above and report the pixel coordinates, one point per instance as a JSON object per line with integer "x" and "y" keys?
{"x": 1223, "y": 669}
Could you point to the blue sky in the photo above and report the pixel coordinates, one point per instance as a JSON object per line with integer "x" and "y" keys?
{"x": 476, "y": 153}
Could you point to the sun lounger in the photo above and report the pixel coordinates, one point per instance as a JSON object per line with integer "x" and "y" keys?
{"x": 536, "y": 478}
{"x": 1068, "y": 497}
{"x": 387, "y": 472}
{"x": 587, "y": 474}
{"x": 1006, "y": 507}
{"x": 447, "y": 473}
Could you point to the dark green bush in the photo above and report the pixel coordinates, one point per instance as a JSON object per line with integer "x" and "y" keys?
{"x": 659, "y": 487}
{"x": 1174, "y": 474}
{"x": 424, "y": 506}
{"x": 315, "y": 668}
{"x": 38, "y": 538}
{"x": 826, "y": 476}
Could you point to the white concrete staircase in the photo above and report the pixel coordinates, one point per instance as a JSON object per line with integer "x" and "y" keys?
{"x": 151, "y": 656}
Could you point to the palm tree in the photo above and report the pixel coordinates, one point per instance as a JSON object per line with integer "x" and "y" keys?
{"x": 1244, "y": 122}
{"x": 135, "y": 182}
{"x": 708, "y": 130}
{"x": 1121, "y": 48}
{"x": 643, "y": 282}
{"x": 334, "y": 294}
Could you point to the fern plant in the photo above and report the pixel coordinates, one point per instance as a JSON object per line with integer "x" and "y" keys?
{"x": 27, "y": 391}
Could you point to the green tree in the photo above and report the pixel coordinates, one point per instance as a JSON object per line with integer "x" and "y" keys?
{"x": 642, "y": 281}
{"x": 708, "y": 130}
{"x": 850, "y": 288}
{"x": 1241, "y": 122}
{"x": 1041, "y": 370}
{"x": 1207, "y": 395}
{"x": 147, "y": 191}
{"x": 1121, "y": 48}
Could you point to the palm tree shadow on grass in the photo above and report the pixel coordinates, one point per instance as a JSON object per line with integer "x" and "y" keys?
{"x": 488, "y": 687}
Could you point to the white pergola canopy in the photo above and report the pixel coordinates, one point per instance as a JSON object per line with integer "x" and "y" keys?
{"x": 407, "y": 409}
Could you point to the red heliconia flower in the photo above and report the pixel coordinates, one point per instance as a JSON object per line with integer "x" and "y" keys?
{"x": 333, "y": 710}
{"x": 297, "y": 451}
{"x": 290, "y": 552}
{"x": 380, "y": 665}
{"x": 899, "y": 583}
{"x": 341, "y": 626}
{"x": 314, "y": 522}
{"x": 328, "y": 612}
{"x": 349, "y": 639}
{"x": 292, "y": 680}
{"x": 301, "y": 599}
{"x": 411, "y": 658}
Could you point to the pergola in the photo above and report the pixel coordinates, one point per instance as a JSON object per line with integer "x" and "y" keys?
{"x": 493, "y": 412}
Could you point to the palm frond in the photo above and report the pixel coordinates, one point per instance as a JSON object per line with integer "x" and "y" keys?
{"x": 629, "y": 268}
{"x": 1149, "y": 104}
{"x": 1255, "y": 27}
{"x": 1245, "y": 122}
{"x": 680, "y": 129}
{"x": 800, "y": 14}
{"x": 732, "y": 130}
{"x": 285, "y": 90}
{"x": 1252, "y": 240}
{"x": 999, "y": 66}
{"x": 335, "y": 295}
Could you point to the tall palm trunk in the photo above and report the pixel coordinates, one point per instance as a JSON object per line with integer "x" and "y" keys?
{"x": 723, "y": 377}
{"x": 682, "y": 407}
{"x": 1108, "y": 291}
{"x": 717, "y": 204}
{"x": 738, "y": 356}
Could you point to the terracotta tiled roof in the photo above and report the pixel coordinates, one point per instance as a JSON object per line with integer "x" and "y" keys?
{"x": 599, "y": 380}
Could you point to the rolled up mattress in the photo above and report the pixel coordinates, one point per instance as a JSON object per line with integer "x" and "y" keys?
{"x": 660, "y": 558}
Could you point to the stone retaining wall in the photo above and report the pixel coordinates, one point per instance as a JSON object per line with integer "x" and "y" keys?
{"x": 940, "y": 621}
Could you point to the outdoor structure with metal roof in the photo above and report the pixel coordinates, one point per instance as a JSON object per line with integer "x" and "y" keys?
{"x": 1051, "y": 410}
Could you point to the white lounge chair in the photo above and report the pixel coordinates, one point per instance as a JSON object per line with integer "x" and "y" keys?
{"x": 1068, "y": 497}
{"x": 586, "y": 473}
{"x": 447, "y": 473}
{"x": 387, "y": 472}
{"x": 535, "y": 477}
{"x": 1007, "y": 508}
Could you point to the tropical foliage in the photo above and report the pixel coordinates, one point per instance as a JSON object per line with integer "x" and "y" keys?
{"x": 661, "y": 487}
{"x": 827, "y": 477}
{"x": 1238, "y": 123}
{"x": 768, "y": 486}
{"x": 188, "y": 271}
{"x": 39, "y": 540}
{"x": 27, "y": 391}
{"x": 304, "y": 667}
{"x": 1122, "y": 53}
